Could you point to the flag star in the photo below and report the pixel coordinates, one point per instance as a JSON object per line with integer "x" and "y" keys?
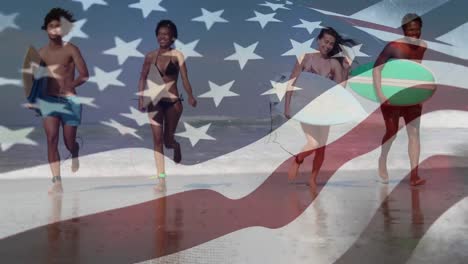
{"x": 195, "y": 134}
{"x": 89, "y": 101}
{"x": 279, "y": 88}
{"x": 309, "y": 26}
{"x": 218, "y": 92}
{"x": 351, "y": 52}
{"x": 274, "y": 6}
{"x": 148, "y": 6}
{"x": 299, "y": 48}
{"x": 123, "y": 50}
{"x": 88, "y": 3}
{"x": 104, "y": 79}
{"x": 139, "y": 117}
{"x": 8, "y": 21}
{"x": 209, "y": 18}
{"x": 7, "y": 81}
{"x": 156, "y": 87}
{"x": 123, "y": 130}
{"x": 188, "y": 49}
{"x": 244, "y": 54}
{"x": 48, "y": 108}
{"x": 75, "y": 31}
{"x": 9, "y": 138}
{"x": 263, "y": 19}
{"x": 40, "y": 71}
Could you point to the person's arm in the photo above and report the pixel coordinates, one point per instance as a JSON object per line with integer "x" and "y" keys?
{"x": 142, "y": 82}
{"x": 185, "y": 81}
{"x": 424, "y": 48}
{"x": 346, "y": 70}
{"x": 384, "y": 56}
{"x": 337, "y": 71}
{"x": 298, "y": 67}
{"x": 80, "y": 64}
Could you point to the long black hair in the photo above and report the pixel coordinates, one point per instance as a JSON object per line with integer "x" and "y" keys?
{"x": 338, "y": 40}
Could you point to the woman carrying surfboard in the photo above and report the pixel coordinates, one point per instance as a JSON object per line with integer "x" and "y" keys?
{"x": 324, "y": 64}
{"x": 411, "y": 47}
{"x": 164, "y": 65}
{"x": 58, "y": 104}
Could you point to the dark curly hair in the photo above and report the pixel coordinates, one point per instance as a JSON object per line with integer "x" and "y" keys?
{"x": 410, "y": 17}
{"x": 56, "y": 14}
{"x": 168, "y": 24}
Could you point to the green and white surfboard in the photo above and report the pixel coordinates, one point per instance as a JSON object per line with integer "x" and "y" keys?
{"x": 404, "y": 82}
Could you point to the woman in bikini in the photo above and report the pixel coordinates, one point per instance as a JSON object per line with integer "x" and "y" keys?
{"x": 169, "y": 62}
{"x": 322, "y": 63}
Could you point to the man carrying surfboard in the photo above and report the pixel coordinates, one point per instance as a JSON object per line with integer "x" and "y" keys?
{"x": 59, "y": 104}
{"x": 410, "y": 47}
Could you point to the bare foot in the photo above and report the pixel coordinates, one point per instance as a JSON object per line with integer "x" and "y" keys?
{"x": 161, "y": 186}
{"x": 416, "y": 181}
{"x": 56, "y": 188}
{"x": 294, "y": 169}
{"x": 75, "y": 162}
{"x": 177, "y": 153}
{"x": 383, "y": 173}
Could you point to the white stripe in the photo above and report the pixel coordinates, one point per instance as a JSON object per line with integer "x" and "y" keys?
{"x": 390, "y": 12}
{"x": 395, "y": 82}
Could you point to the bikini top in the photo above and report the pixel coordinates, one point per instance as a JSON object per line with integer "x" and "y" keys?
{"x": 172, "y": 68}
{"x": 308, "y": 67}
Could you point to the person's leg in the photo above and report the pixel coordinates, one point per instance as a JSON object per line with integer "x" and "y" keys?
{"x": 311, "y": 132}
{"x": 69, "y": 137}
{"x": 171, "y": 119}
{"x": 319, "y": 153}
{"x": 156, "y": 123}
{"x": 412, "y": 119}
{"x": 51, "y": 126}
{"x": 391, "y": 116}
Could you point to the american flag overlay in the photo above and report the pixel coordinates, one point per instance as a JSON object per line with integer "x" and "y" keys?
{"x": 229, "y": 200}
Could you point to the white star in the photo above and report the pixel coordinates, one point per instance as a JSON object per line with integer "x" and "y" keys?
{"x": 310, "y": 26}
{"x": 263, "y": 19}
{"x": 195, "y": 134}
{"x": 279, "y": 88}
{"x": 8, "y": 21}
{"x": 139, "y": 117}
{"x": 89, "y": 101}
{"x": 274, "y": 6}
{"x": 6, "y": 81}
{"x": 188, "y": 49}
{"x": 351, "y": 52}
{"x": 40, "y": 71}
{"x": 299, "y": 48}
{"x": 123, "y": 50}
{"x": 244, "y": 54}
{"x": 88, "y": 3}
{"x": 76, "y": 31}
{"x": 123, "y": 130}
{"x": 156, "y": 87}
{"x": 48, "y": 108}
{"x": 218, "y": 92}
{"x": 9, "y": 138}
{"x": 209, "y": 18}
{"x": 104, "y": 79}
{"x": 147, "y": 6}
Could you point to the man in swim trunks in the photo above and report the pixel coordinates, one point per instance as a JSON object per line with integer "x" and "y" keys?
{"x": 59, "y": 104}
{"x": 410, "y": 47}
